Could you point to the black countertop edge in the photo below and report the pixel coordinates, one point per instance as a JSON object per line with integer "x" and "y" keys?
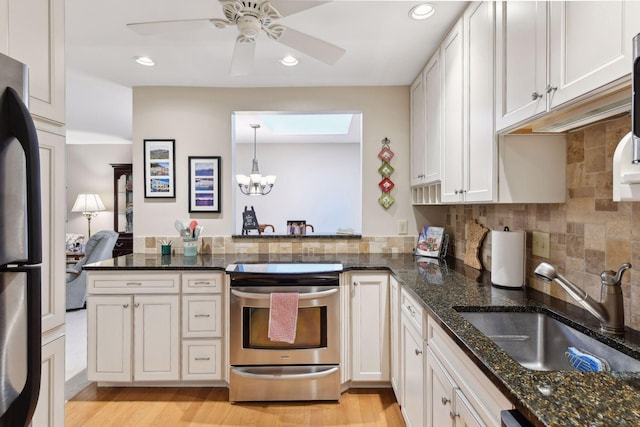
{"x": 295, "y": 236}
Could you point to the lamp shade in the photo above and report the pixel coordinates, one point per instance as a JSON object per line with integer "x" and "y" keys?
{"x": 88, "y": 203}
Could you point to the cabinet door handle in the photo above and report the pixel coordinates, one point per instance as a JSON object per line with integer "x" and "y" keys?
{"x": 411, "y": 310}
{"x": 453, "y": 414}
{"x": 136, "y": 305}
{"x": 202, "y": 315}
{"x": 203, "y": 358}
{"x": 550, "y": 88}
{"x": 536, "y": 95}
{"x": 445, "y": 400}
{"x": 125, "y": 305}
{"x": 134, "y": 284}
{"x": 201, "y": 283}
{"x": 355, "y": 283}
{"x": 418, "y": 352}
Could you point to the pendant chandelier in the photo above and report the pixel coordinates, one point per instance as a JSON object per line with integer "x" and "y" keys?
{"x": 255, "y": 184}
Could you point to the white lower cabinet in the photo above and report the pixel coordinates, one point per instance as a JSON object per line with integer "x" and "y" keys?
{"x": 394, "y": 323}
{"x": 458, "y": 393}
{"x": 202, "y": 326}
{"x": 446, "y": 403}
{"x": 156, "y": 352}
{"x": 155, "y": 327}
{"x": 133, "y": 338}
{"x": 412, "y": 346}
{"x": 440, "y": 389}
{"x": 50, "y": 409}
{"x": 438, "y": 385}
{"x": 370, "y": 331}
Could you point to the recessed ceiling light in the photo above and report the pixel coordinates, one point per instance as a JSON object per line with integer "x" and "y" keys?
{"x": 144, "y": 60}
{"x": 289, "y": 61}
{"x": 422, "y": 11}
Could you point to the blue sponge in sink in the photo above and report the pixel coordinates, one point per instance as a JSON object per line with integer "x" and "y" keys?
{"x": 586, "y": 362}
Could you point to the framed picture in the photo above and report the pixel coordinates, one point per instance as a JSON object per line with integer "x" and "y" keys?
{"x": 204, "y": 184}
{"x": 159, "y": 168}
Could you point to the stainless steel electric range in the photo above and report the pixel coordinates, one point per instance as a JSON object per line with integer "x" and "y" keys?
{"x": 266, "y": 370}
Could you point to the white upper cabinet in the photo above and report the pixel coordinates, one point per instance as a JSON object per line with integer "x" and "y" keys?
{"x": 35, "y": 36}
{"x": 521, "y": 61}
{"x": 551, "y": 54}
{"x": 475, "y": 168}
{"x": 418, "y": 131}
{"x": 589, "y": 46}
{"x": 426, "y": 124}
{"x": 452, "y": 63}
{"x": 480, "y": 142}
{"x": 433, "y": 122}
{"x": 468, "y": 173}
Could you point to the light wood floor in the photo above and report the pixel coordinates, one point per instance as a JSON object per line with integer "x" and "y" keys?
{"x": 139, "y": 407}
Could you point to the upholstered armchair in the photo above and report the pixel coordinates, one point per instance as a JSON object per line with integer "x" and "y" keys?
{"x": 98, "y": 248}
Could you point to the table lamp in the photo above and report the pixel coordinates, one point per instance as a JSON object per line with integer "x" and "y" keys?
{"x": 88, "y": 204}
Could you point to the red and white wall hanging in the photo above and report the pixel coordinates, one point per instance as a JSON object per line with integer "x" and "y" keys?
{"x": 386, "y": 185}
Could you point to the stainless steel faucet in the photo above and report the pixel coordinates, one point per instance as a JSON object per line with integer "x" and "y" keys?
{"x": 610, "y": 310}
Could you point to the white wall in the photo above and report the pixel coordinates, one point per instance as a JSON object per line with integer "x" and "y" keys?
{"x": 88, "y": 171}
{"x": 106, "y": 121}
{"x": 314, "y": 182}
{"x": 199, "y": 119}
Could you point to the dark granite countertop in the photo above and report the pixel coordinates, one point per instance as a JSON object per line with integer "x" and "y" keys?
{"x": 576, "y": 398}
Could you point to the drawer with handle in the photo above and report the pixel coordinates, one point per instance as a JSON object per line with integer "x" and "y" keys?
{"x": 132, "y": 282}
{"x": 201, "y": 316}
{"x": 412, "y": 310}
{"x": 194, "y": 283}
{"x": 201, "y": 359}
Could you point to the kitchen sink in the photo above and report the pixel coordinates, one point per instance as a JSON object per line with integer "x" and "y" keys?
{"x": 539, "y": 342}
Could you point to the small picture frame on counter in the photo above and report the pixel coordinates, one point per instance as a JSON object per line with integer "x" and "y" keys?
{"x": 432, "y": 242}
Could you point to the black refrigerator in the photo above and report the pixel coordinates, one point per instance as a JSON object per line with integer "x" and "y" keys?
{"x": 20, "y": 250}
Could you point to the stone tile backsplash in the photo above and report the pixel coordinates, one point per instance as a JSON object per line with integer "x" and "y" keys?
{"x": 307, "y": 246}
{"x": 588, "y": 234}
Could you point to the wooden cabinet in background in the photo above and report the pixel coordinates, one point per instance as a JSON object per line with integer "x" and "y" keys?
{"x": 123, "y": 207}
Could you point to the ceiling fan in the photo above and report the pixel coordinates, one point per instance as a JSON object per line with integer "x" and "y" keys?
{"x": 251, "y": 16}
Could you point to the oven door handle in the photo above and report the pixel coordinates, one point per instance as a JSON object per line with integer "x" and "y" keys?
{"x": 310, "y": 375}
{"x": 302, "y": 296}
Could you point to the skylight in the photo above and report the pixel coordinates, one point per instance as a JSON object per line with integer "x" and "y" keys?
{"x": 307, "y": 124}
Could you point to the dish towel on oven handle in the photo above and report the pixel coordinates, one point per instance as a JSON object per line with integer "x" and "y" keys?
{"x": 283, "y": 317}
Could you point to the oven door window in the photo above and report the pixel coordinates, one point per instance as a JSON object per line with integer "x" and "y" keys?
{"x": 311, "y": 329}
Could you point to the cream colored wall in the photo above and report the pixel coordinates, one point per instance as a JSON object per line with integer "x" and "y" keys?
{"x": 199, "y": 119}
{"x": 88, "y": 171}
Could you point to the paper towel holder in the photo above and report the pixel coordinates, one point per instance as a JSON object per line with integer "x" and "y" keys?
{"x": 502, "y": 276}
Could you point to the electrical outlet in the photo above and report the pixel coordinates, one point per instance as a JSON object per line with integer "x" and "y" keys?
{"x": 540, "y": 244}
{"x": 403, "y": 226}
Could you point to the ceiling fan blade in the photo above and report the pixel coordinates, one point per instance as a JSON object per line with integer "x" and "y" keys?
{"x": 161, "y": 27}
{"x": 309, "y": 45}
{"x": 243, "y": 53}
{"x": 289, "y": 7}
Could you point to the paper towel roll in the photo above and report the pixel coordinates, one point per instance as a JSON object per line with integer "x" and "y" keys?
{"x": 508, "y": 258}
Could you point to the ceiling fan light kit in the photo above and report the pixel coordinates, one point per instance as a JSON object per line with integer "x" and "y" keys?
{"x": 250, "y": 17}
